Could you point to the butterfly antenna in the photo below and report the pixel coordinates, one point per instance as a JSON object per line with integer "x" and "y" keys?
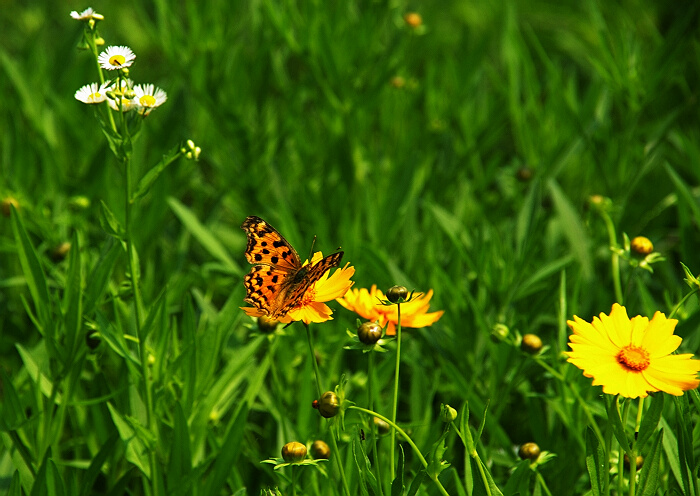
{"x": 311, "y": 253}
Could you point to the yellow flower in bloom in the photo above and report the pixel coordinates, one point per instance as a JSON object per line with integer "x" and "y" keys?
{"x": 116, "y": 57}
{"x": 312, "y": 307}
{"x": 632, "y": 357}
{"x": 413, "y": 314}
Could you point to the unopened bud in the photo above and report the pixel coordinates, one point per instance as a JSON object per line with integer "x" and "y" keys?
{"x": 413, "y": 19}
{"x": 394, "y": 293}
{"x": 448, "y": 414}
{"x": 531, "y": 344}
{"x": 320, "y": 450}
{"x": 369, "y": 332}
{"x": 529, "y": 451}
{"x": 266, "y": 324}
{"x": 293, "y": 452}
{"x": 327, "y": 405}
{"x": 642, "y": 245}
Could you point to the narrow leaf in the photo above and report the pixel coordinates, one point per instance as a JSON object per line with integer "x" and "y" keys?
{"x": 109, "y": 222}
{"x": 96, "y": 464}
{"x": 650, "y": 474}
{"x": 150, "y": 177}
{"x": 99, "y": 277}
{"x": 650, "y": 420}
{"x": 73, "y": 304}
{"x": 136, "y": 451}
{"x": 397, "y": 486}
{"x": 595, "y": 463}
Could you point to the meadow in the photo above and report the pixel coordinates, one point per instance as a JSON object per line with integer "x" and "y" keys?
{"x": 511, "y": 164}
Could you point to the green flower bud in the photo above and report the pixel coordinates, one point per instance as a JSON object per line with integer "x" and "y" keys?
{"x": 320, "y": 450}
{"x": 448, "y": 414}
{"x": 531, "y": 344}
{"x": 293, "y": 452}
{"x": 529, "y": 451}
{"x": 395, "y": 292}
{"x": 328, "y": 404}
{"x": 369, "y": 332}
{"x": 382, "y": 427}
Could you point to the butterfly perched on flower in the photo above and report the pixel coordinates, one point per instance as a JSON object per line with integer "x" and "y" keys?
{"x": 278, "y": 280}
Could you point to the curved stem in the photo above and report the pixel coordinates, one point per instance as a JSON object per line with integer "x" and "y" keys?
{"x": 406, "y": 437}
{"x": 396, "y": 389}
{"x": 678, "y": 306}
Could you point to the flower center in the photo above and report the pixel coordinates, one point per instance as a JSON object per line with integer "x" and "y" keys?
{"x": 117, "y": 60}
{"x": 147, "y": 100}
{"x": 95, "y": 96}
{"x": 633, "y": 358}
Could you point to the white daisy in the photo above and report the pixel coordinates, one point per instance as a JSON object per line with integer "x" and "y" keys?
{"x": 126, "y": 85}
{"x": 92, "y": 93}
{"x": 148, "y": 97}
{"x": 116, "y": 57}
{"x": 86, "y": 15}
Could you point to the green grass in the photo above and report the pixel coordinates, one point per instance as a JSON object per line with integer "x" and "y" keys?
{"x": 300, "y": 122}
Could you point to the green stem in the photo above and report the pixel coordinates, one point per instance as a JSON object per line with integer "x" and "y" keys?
{"x": 294, "y": 480}
{"x": 396, "y": 389}
{"x": 543, "y": 484}
{"x": 93, "y": 48}
{"x": 336, "y": 453}
{"x": 406, "y": 437}
{"x": 606, "y": 461}
{"x": 138, "y": 309}
{"x": 678, "y": 306}
{"x": 372, "y": 425}
{"x": 612, "y": 236}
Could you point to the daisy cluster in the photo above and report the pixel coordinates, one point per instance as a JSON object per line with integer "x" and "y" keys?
{"x": 120, "y": 93}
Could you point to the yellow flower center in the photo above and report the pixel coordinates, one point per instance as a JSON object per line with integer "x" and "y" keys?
{"x": 117, "y": 60}
{"x": 633, "y": 358}
{"x": 147, "y": 100}
{"x": 94, "y": 96}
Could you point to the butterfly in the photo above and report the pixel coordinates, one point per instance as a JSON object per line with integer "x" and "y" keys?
{"x": 278, "y": 280}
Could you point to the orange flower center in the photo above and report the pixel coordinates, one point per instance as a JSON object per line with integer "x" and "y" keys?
{"x": 633, "y": 358}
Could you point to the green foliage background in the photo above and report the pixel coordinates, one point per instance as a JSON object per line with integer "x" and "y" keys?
{"x": 302, "y": 122}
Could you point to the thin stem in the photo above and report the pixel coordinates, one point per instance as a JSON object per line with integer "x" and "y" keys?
{"x": 372, "y": 425}
{"x": 294, "y": 480}
{"x": 678, "y": 306}
{"x": 543, "y": 484}
{"x": 612, "y": 236}
{"x": 396, "y": 389}
{"x": 336, "y": 453}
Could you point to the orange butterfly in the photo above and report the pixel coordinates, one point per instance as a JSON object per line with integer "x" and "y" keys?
{"x": 278, "y": 280}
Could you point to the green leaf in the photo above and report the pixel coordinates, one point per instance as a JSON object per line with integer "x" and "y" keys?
{"x": 650, "y": 474}
{"x": 12, "y": 411}
{"x": 435, "y": 463}
{"x": 116, "y": 341}
{"x": 397, "y": 486}
{"x": 684, "y": 192}
{"x": 40, "y": 486}
{"x": 54, "y": 482}
{"x": 150, "y": 177}
{"x": 136, "y": 450}
{"x": 99, "y": 277}
{"x": 519, "y": 481}
{"x": 595, "y": 456}
{"x": 417, "y": 481}
{"x": 203, "y": 235}
{"x": 180, "y": 462}
{"x": 362, "y": 466}
{"x": 650, "y": 420}
{"x": 616, "y": 422}
{"x": 230, "y": 448}
{"x": 33, "y": 272}
{"x": 15, "y": 485}
{"x": 572, "y": 227}
{"x": 109, "y": 222}
{"x": 95, "y": 468}
{"x": 45, "y": 385}
{"x": 72, "y": 300}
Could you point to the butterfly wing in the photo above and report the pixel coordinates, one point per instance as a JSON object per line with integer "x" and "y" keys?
{"x": 267, "y": 246}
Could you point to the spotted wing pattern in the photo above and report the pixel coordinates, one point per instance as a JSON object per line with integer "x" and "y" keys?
{"x": 277, "y": 281}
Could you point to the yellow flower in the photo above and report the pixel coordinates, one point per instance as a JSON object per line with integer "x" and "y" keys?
{"x": 413, "y": 314}
{"x": 632, "y": 357}
{"x": 312, "y": 307}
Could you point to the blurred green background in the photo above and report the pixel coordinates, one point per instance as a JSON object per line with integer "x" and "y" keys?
{"x": 458, "y": 155}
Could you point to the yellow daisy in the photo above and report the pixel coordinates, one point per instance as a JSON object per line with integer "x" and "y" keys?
{"x": 632, "y": 357}
{"x": 413, "y": 314}
{"x": 312, "y": 307}
{"x": 148, "y": 97}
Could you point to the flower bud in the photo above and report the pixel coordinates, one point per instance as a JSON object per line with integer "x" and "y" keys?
{"x": 79, "y": 202}
{"x": 531, "y": 344}
{"x": 6, "y": 203}
{"x": 499, "y": 332}
{"x": 382, "y": 427}
{"x": 398, "y": 82}
{"x": 293, "y": 452}
{"x": 642, "y": 245}
{"x": 395, "y": 292}
{"x": 448, "y": 414}
{"x": 60, "y": 252}
{"x": 524, "y": 174}
{"x": 413, "y": 19}
{"x": 327, "y": 405}
{"x": 266, "y": 324}
{"x": 369, "y": 332}
{"x": 529, "y": 451}
{"x": 640, "y": 461}
{"x": 320, "y": 450}
{"x": 99, "y": 41}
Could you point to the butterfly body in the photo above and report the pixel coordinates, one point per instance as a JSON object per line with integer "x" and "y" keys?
{"x": 278, "y": 281}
